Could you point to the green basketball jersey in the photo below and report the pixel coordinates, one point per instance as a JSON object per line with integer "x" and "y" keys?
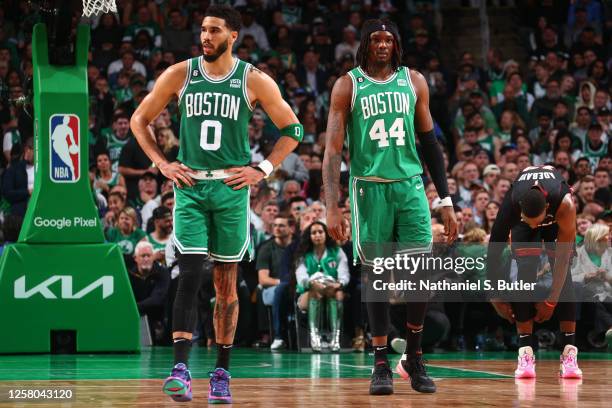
{"x": 114, "y": 145}
{"x": 215, "y": 114}
{"x": 594, "y": 155}
{"x": 380, "y": 129}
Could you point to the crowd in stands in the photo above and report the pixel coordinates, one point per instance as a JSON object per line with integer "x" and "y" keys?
{"x": 492, "y": 119}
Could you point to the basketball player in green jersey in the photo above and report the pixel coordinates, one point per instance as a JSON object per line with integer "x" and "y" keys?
{"x": 381, "y": 105}
{"x": 216, "y": 93}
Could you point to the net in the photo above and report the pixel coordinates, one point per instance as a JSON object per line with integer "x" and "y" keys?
{"x": 97, "y": 7}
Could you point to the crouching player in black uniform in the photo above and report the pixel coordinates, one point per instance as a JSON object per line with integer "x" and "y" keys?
{"x": 538, "y": 209}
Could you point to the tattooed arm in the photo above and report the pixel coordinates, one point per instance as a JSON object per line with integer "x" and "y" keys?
{"x": 336, "y": 123}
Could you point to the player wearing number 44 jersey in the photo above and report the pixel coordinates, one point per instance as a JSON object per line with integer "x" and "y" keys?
{"x": 381, "y": 106}
{"x": 216, "y": 94}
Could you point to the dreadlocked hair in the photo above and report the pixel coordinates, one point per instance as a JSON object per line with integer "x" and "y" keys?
{"x": 373, "y": 25}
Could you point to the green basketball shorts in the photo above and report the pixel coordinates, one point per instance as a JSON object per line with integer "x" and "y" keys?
{"x": 389, "y": 218}
{"x": 213, "y": 219}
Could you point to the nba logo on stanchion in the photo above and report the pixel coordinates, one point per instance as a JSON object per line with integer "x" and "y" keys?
{"x": 64, "y": 144}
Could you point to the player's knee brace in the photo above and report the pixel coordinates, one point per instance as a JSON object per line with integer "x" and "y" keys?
{"x": 190, "y": 279}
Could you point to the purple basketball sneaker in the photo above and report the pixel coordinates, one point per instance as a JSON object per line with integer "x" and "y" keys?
{"x": 178, "y": 385}
{"x": 218, "y": 390}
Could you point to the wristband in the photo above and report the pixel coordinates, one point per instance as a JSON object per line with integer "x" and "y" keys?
{"x": 550, "y": 304}
{"x": 266, "y": 167}
{"x": 446, "y": 202}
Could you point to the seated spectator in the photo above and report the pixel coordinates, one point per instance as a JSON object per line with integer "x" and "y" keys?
{"x": 148, "y": 198}
{"x": 18, "y": 179}
{"x": 490, "y": 214}
{"x": 106, "y": 178}
{"x": 116, "y": 203}
{"x": 150, "y": 282}
{"x": 580, "y": 127}
{"x": 489, "y": 175}
{"x": 583, "y": 223}
{"x": 349, "y": 44}
{"x": 585, "y": 192}
{"x": 162, "y": 220}
{"x": 268, "y": 267}
{"x": 596, "y": 144}
{"x": 321, "y": 274}
{"x": 500, "y": 188}
{"x": 133, "y": 164}
{"x": 126, "y": 234}
{"x": 480, "y": 199}
{"x": 592, "y": 266}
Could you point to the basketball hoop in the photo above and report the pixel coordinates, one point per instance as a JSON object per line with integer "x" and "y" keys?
{"x": 97, "y": 7}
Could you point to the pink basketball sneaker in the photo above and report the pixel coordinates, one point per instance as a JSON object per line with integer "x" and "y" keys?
{"x": 526, "y": 363}
{"x": 568, "y": 367}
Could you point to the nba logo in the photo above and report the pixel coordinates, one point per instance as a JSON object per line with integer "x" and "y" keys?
{"x": 65, "y": 155}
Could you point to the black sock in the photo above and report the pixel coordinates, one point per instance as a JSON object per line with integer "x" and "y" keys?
{"x": 413, "y": 340}
{"x": 380, "y": 355}
{"x": 525, "y": 339}
{"x": 223, "y": 356}
{"x": 568, "y": 338}
{"x": 181, "y": 346}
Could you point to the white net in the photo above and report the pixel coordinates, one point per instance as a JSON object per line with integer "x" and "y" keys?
{"x": 97, "y": 7}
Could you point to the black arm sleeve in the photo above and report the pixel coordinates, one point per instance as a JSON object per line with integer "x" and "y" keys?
{"x": 435, "y": 161}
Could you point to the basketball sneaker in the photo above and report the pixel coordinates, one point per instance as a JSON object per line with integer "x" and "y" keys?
{"x": 526, "y": 363}
{"x": 413, "y": 367}
{"x": 568, "y": 367}
{"x": 218, "y": 389}
{"x": 381, "y": 382}
{"x": 277, "y": 344}
{"x": 178, "y": 385}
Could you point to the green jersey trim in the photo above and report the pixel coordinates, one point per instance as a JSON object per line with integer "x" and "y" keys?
{"x": 407, "y": 73}
{"x": 216, "y": 81}
{"x": 354, "y": 90}
{"x": 245, "y": 75}
{"x": 186, "y": 83}
{"x": 386, "y": 81}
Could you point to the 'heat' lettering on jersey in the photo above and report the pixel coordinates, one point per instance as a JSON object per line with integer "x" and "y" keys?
{"x": 384, "y": 102}
{"x": 212, "y": 104}
{"x": 541, "y": 175}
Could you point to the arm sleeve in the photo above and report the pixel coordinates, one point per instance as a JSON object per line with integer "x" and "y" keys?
{"x": 435, "y": 162}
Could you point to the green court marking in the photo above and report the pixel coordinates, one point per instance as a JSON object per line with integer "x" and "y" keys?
{"x": 155, "y": 363}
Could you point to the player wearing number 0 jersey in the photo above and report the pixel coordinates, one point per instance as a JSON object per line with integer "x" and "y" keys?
{"x": 381, "y": 106}
{"x": 216, "y": 93}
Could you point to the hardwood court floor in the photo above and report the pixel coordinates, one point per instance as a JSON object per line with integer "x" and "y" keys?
{"x": 262, "y": 379}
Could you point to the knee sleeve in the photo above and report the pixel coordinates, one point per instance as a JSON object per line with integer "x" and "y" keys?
{"x": 415, "y": 315}
{"x": 378, "y": 317}
{"x": 185, "y": 303}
